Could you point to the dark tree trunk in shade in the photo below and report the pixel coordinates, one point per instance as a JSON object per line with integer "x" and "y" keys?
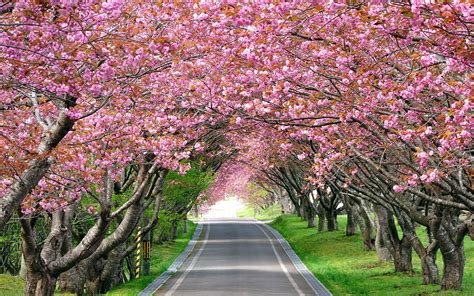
{"x": 185, "y": 225}
{"x": 351, "y": 223}
{"x": 427, "y": 254}
{"x": 400, "y": 249}
{"x": 453, "y": 270}
{"x": 39, "y": 283}
{"x": 321, "y": 218}
{"x": 331, "y": 217}
{"x": 311, "y": 216}
{"x": 429, "y": 268}
{"x": 451, "y": 245}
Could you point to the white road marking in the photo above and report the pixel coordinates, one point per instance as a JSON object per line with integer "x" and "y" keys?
{"x": 190, "y": 267}
{"x": 283, "y": 267}
{"x": 298, "y": 264}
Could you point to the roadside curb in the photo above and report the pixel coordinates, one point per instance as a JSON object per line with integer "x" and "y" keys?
{"x": 312, "y": 281}
{"x": 161, "y": 280}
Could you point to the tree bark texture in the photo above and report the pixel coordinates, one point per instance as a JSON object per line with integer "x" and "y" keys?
{"x": 449, "y": 231}
{"x": 400, "y": 249}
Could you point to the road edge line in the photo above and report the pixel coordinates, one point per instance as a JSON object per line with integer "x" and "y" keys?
{"x": 164, "y": 277}
{"x": 309, "y": 277}
{"x": 280, "y": 261}
{"x": 185, "y": 273}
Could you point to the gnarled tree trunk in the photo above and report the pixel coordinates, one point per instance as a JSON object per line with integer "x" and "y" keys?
{"x": 400, "y": 249}
{"x": 311, "y": 217}
{"x": 351, "y": 221}
{"x": 39, "y": 283}
{"x": 429, "y": 267}
{"x": 321, "y": 218}
{"x": 380, "y": 247}
{"x": 331, "y": 216}
{"x": 451, "y": 245}
{"x": 427, "y": 255}
{"x": 72, "y": 281}
{"x": 453, "y": 270}
{"x": 39, "y": 279}
{"x": 366, "y": 227}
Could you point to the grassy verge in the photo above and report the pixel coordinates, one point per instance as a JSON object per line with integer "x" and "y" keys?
{"x": 269, "y": 213}
{"x": 15, "y": 286}
{"x": 11, "y": 285}
{"x": 162, "y": 256}
{"x": 345, "y": 268}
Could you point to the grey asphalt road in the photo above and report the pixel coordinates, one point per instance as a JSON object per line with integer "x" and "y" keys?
{"x": 236, "y": 257}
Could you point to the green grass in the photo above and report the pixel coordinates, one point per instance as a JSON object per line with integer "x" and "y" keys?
{"x": 11, "y": 285}
{"x": 162, "y": 256}
{"x": 345, "y": 268}
{"x": 269, "y": 213}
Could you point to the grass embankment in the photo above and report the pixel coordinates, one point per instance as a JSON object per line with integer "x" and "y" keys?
{"x": 345, "y": 268}
{"x": 15, "y": 286}
{"x": 269, "y": 213}
{"x": 162, "y": 256}
{"x": 11, "y": 285}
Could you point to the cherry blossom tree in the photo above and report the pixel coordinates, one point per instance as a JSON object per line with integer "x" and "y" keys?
{"x": 361, "y": 103}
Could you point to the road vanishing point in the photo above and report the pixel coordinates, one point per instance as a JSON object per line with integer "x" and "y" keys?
{"x": 239, "y": 257}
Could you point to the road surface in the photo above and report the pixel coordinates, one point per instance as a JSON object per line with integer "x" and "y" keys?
{"x": 236, "y": 257}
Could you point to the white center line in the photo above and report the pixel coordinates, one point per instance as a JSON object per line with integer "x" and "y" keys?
{"x": 190, "y": 267}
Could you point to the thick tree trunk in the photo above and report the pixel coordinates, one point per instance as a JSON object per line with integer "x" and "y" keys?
{"x": 382, "y": 251}
{"x": 72, "y": 281}
{"x": 351, "y": 223}
{"x": 108, "y": 274}
{"x": 321, "y": 218}
{"x": 294, "y": 200}
{"x": 311, "y": 217}
{"x": 39, "y": 283}
{"x": 400, "y": 250}
{"x": 185, "y": 225}
{"x": 328, "y": 201}
{"x": 453, "y": 270}
{"x": 453, "y": 258}
{"x": 286, "y": 205}
{"x": 312, "y": 222}
{"x": 366, "y": 227}
{"x": 39, "y": 279}
{"x": 430, "y": 269}
{"x": 402, "y": 258}
{"x": 32, "y": 279}
{"x": 367, "y": 237}
{"x": 331, "y": 217}
{"x": 304, "y": 208}
{"x": 309, "y": 211}
{"x": 91, "y": 268}
{"x": 428, "y": 261}
{"x": 427, "y": 255}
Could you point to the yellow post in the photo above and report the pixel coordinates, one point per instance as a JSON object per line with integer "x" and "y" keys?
{"x": 146, "y": 238}
{"x": 138, "y": 241}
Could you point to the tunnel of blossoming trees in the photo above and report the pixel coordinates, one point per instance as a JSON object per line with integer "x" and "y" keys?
{"x": 114, "y": 114}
